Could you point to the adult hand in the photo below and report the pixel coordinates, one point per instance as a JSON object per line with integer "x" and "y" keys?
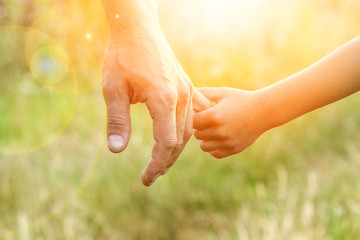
{"x": 141, "y": 67}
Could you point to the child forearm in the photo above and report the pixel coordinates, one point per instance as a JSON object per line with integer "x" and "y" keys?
{"x": 330, "y": 79}
{"x": 239, "y": 117}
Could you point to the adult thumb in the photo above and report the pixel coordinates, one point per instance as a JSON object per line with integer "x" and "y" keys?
{"x": 118, "y": 117}
{"x": 200, "y": 103}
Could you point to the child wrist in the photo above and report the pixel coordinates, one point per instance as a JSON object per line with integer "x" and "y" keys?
{"x": 272, "y": 110}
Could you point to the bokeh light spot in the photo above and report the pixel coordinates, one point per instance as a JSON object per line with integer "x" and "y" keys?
{"x": 49, "y": 64}
{"x": 36, "y": 116}
{"x": 85, "y": 52}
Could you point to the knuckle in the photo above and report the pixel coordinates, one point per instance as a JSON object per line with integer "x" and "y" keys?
{"x": 110, "y": 88}
{"x": 179, "y": 143}
{"x": 170, "y": 143}
{"x": 169, "y": 98}
{"x": 197, "y": 134}
{"x": 116, "y": 121}
{"x": 203, "y": 146}
{"x": 184, "y": 94}
{"x": 215, "y": 118}
{"x": 156, "y": 165}
{"x": 106, "y": 87}
{"x": 220, "y": 133}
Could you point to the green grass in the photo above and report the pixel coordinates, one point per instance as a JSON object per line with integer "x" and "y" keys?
{"x": 299, "y": 181}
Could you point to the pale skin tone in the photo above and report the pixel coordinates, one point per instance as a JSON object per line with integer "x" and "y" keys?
{"x": 238, "y": 118}
{"x": 141, "y": 67}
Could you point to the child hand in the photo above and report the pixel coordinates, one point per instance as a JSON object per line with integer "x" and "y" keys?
{"x": 237, "y": 120}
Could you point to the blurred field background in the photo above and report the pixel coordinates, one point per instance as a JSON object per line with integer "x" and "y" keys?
{"x": 59, "y": 181}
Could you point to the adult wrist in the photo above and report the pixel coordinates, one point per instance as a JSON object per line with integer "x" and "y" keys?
{"x": 130, "y": 17}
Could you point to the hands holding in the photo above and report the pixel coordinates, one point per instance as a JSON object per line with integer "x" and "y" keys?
{"x": 236, "y": 121}
{"x": 140, "y": 66}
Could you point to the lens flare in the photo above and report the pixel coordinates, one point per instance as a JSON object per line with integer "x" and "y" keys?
{"x": 49, "y": 64}
{"x": 81, "y": 31}
{"x": 36, "y": 116}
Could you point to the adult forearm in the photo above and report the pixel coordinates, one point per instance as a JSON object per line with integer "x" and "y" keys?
{"x": 128, "y": 17}
{"x": 332, "y": 78}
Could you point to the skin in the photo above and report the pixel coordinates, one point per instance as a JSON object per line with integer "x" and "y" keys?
{"x": 240, "y": 117}
{"x": 140, "y": 67}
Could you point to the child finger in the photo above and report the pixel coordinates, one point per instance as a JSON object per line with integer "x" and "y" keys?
{"x": 205, "y": 119}
{"x": 209, "y": 146}
{"x": 201, "y": 103}
{"x": 212, "y": 93}
{"x": 212, "y": 133}
{"x": 221, "y": 153}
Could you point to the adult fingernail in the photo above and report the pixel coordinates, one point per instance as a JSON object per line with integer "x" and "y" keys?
{"x": 115, "y": 143}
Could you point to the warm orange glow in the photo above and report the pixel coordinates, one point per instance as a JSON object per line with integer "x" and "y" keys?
{"x": 59, "y": 181}
{"x": 217, "y": 15}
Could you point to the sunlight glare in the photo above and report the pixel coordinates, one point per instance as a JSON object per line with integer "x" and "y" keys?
{"x": 216, "y": 15}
